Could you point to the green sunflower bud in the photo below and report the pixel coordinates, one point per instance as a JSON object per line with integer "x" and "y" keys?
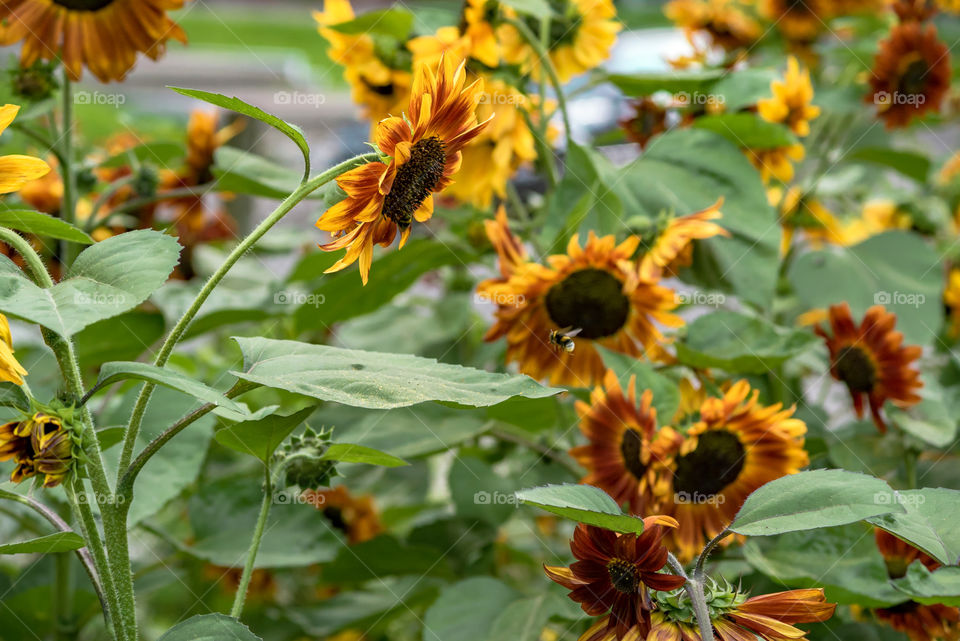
{"x": 301, "y": 460}
{"x": 36, "y": 82}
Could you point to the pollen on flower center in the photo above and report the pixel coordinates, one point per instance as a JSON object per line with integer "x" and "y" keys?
{"x": 631, "y": 448}
{"x": 623, "y": 575}
{"x": 84, "y": 5}
{"x": 591, "y": 299}
{"x": 416, "y": 179}
{"x": 856, "y": 369}
{"x": 715, "y": 463}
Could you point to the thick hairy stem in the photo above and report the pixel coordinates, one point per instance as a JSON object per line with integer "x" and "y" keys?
{"x": 699, "y": 602}
{"x": 698, "y": 570}
{"x": 241, "y": 595}
{"x": 68, "y": 208}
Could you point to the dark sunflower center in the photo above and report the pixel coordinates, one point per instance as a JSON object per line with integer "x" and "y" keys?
{"x": 631, "y": 448}
{"x": 84, "y": 5}
{"x": 856, "y": 369}
{"x": 415, "y": 180}
{"x": 903, "y": 608}
{"x": 335, "y": 516}
{"x": 591, "y": 299}
{"x": 380, "y": 90}
{"x": 797, "y": 6}
{"x": 713, "y": 465}
{"x": 623, "y": 576}
{"x": 914, "y": 78}
{"x": 563, "y": 26}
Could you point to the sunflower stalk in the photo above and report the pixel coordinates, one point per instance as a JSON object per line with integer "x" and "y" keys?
{"x": 258, "y": 530}
{"x": 68, "y": 209}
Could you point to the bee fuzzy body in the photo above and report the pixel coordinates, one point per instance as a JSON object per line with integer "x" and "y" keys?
{"x": 562, "y": 340}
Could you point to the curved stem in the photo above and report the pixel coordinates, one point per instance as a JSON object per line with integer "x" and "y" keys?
{"x": 546, "y": 64}
{"x": 34, "y": 263}
{"x": 699, "y": 602}
{"x": 241, "y": 595}
{"x": 180, "y": 192}
{"x": 245, "y": 245}
{"x": 698, "y": 570}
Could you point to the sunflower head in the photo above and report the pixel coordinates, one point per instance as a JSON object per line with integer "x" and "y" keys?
{"x": 871, "y": 360}
{"x": 355, "y": 516}
{"x": 791, "y": 100}
{"x": 41, "y": 444}
{"x": 774, "y": 163}
{"x": 724, "y": 22}
{"x": 672, "y": 246}
{"x": 798, "y": 20}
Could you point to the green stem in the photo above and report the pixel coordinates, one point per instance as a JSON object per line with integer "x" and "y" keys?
{"x": 45, "y": 142}
{"x": 547, "y": 64}
{"x": 698, "y": 570}
{"x": 241, "y": 595}
{"x": 136, "y": 203}
{"x": 694, "y": 589}
{"x": 544, "y": 152}
{"x": 245, "y": 245}
{"x": 68, "y": 208}
{"x": 66, "y": 623}
{"x": 34, "y": 263}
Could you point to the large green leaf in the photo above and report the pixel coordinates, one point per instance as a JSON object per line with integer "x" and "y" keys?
{"x": 684, "y": 171}
{"x": 39, "y": 224}
{"x": 261, "y": 437}
{"x": 815, "y": 499}
{"x": 395, "y": 23}
{"x": 245, "y": 172}
{"x": 682, "y": 82}
{"x": 292, "y": 132}
{"x": 385, "y": 556}
{"x": 117, "y": 371}
{"x": 910, "y": 164}
{"x": 526, "y": 618}
{"x": 930, "y": 420}
{"x": 479, "y": 493}
{"x": 536, "y": 8}
{"x": 739, "y": 343}
{"x": 13, "y": 396}
{"x": 895, "y": 269}
{"x": 929, "y": 522}
{"x": 107, "y": 279}
{"x": 940, "y": 586}
{"x": 375, "y": 380}
{"x": 747, "y": 130}
{"x": 48, "y": 544}
{"x": 121, "y": 338}
{"x": 466, "y": 610}
{"x": 209, "y": 627}
{"x": 583, "y": 503}
{"x": 351, "y": 453}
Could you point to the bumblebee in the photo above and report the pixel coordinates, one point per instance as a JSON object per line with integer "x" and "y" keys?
{"x": 562, "y": 339}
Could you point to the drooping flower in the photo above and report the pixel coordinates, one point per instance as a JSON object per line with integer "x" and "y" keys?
{"x": 871, "y": 360}
{"x": 625, "y": 442}
{"x": 104, "y": 36}
{"x": 582, "y": 32}
{"x": 10, "y": 369}
{"x": 737, "y": 446}
{"x": 911, "y": 74}
{"x": 791, "y": 100}
{"x": 596, "y": 288}
{"x": 40, "y": 444}
{"x": 421, "y": 155}
{"x": 673, "y": 248}
{"x": 613, "y": 574}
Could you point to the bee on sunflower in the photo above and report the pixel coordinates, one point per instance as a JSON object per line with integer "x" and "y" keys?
{"x": 104, "y": 36}
{"x": 613, "y": 576}
{"x": 596, "y": 287}
{"x": 421, "y": 153}
{"x": 871, "y": 360}
{"x": 736, "y": 446}
{"x": 910, "y": 75}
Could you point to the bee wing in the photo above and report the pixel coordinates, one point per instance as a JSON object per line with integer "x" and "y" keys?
{"x": 573, "y": 332}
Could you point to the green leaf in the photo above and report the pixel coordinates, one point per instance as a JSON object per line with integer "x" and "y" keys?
{"x": 929, "y": 522}
{"x": 940, "y": 586}
{"x": 891, "y": 269}
{"x": 815, "y": 499}
{"x": 526, "y": 618}
{"x": 385, "y": 556}
{"x": 911, "y": 164}
{"x": 394, "y": 22}
{"x": 107, "y": 279}
{"x": 39, "y": 224}
{"x": 536, "y": 8}
{"x": 338, "y": 298}
{"x": 583, "y": 503}
{"x": 13, "y": 396}
{"x": 479, "y": 493}
{"x": 117, "y": 371}
{"x": 929, "y": 420}
{"x": 107, "y": 437}
{"x": 49, "y": 544}
{"x": 121, "y": 338}
{"x": 739, "y": 344}
{"x": 743, "y": 88}
{"x": 348, "y": 453}
{"x": 747, "y": 130}
{"x": 245, "y": 172}
{"x": 679, "y": 82}
{"x": 209, "y": 627}
{"x": 292, "y": 132}
{"x": 666, "y": 394}
{"x": 375, "y": 380}
{"x": 261, "y": 437}
{"x": 465, "y": 611}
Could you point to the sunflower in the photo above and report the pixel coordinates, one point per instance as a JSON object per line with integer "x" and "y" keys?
{"x": 39, "y": 445}
{"x": 582, "y": 32}
{"x": 595, "y": 288}
{"x": 103, "y": 35}
{"x": 613, "y": 573}
{"x": 950, "y": 6}
{"x": 378, "y": 82}
{"x": 355, "y": 516}
{"x": 477, "y": 25}
{"x": 871, "y": 360}
{"x": 914, "y": 10}
{"x": 15, "y": 170}
{"x": 10, "y": 369}
{"x": 911, "y": 74}
{"x": 624, "y": 442}
{"x": 422, "y": 154}
{"x": 797, "y": 20}
{"x": 919, "y": 622}
{"x": 737, "y": 446}
{"x": 673, "y": 247}
{"x": 724, "y": 22}
{"x": 790, "y": 103}
{"x": 768, "y": 617}
{"x": 647, "y": 120}
{"x": 774, "y": 162}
